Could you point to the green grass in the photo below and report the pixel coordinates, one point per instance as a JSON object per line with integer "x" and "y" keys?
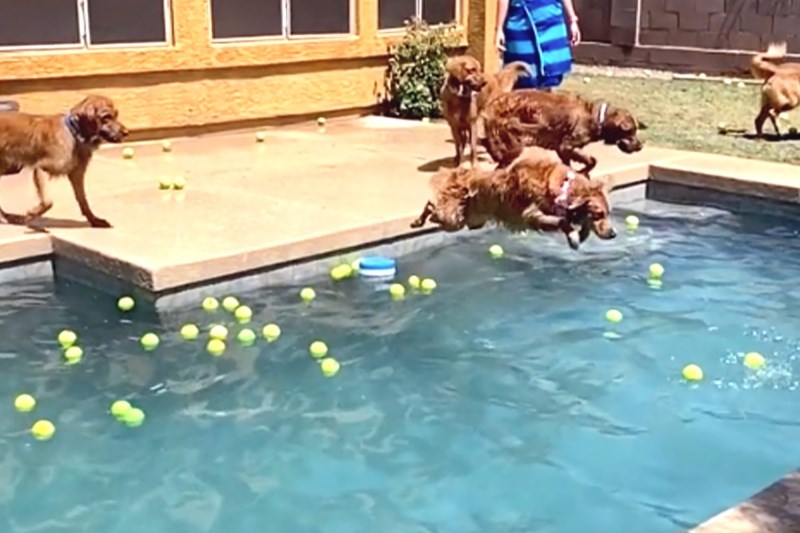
{"x": 685, "y": 114}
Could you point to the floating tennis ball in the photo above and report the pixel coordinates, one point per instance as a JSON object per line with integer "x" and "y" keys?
{"x": 692, "y": 373}
{"x": 754, "y": 360}
{"x": 656, "y": 271}
{"x": 216, "y": 347}
{"x": 218, "y": 332}
{"x": 427, "y": 285}
{"x": 414, "y": 282}
{"x": 43, "y": 430}
{"x": 126, "y": 303}
{"x": 24, "y": 403}
{"x": 355, "y": 264}
{"x": 261, "y": 137}
{"x": 496, "y": 251}
{"x": 318, "y": 349}
{"x": 341, "y": 272}
{"x": 614, "y": 315}
{"x": 210, "y": 304}
{"x": 120, "y": 409}
{"x": 631, "y": 222}
{"x": 127, "y": 153}
{"x": 166, "y": 146}
{"x": 73, "y": 355}
{"x": 149, "y": 341}
{"x": 179, "y": 183}
{"x": 271, "y": 332}
{"x": 133, "y": 418}
{"x": 246, "y": 337}
{"x": 243, "y": 314}
{"x": 308, "y": 294}
{"x": 397, "y": 291}
{"x": 330, "y": 367}
{"x": 165, "y": 183}
{"x": 190, "y": 332}
{"x": 321, "y": 121}
{"x": 230, "y": 303}
{"x": 67, "y": 338}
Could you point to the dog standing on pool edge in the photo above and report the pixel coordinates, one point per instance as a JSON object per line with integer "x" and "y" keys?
{"x": 58, "y": 145}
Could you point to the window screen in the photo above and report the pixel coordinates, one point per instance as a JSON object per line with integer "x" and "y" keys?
{"x": 38, "y": 22}
{"x": 126, "y": 21}
{"x": 393, "y": 13}
{"x": 232, "y": 19}
{"x": 439, "y": 11}
{"x": 317, "y": 17}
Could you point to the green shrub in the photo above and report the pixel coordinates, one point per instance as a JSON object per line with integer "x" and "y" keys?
{"x": 416, "y": 70}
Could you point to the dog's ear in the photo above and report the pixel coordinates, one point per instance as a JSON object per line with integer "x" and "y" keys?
{"x": 88, "y": 116}
{"x": 604, "y": 184}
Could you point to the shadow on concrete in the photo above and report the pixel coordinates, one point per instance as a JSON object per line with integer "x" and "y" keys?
{"x": 436, "y": 164}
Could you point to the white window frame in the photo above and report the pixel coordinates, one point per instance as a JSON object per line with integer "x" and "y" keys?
{"x": 285, "y": 36}
{"x": 84, "y": 37}
{"x": 418, "y": 13}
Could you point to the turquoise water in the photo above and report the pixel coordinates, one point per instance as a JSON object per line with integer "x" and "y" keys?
{"x": 494, "y": 405}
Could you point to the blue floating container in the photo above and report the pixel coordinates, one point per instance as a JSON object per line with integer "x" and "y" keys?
{"x": 375, "y": 266}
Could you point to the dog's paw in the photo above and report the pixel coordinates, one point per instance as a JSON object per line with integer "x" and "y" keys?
{"x": 416, "y": 224}
{"x": 574, "y": 239}
{"x": 99, "y": 223}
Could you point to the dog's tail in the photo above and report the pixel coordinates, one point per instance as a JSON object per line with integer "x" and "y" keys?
{"x": 510, "y": 73}
{"x": 763, "y": 66}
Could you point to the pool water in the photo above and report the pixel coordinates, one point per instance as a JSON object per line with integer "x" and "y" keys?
{"x": 497, "y": 404}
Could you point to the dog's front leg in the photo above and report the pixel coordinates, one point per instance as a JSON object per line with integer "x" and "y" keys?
{"x": 77, "y": 179}
{"x": 427, "y": 211}
{"x": 589, "y": 162}
{"x": 537, "y": 219}
{"x": 40, "y": 181}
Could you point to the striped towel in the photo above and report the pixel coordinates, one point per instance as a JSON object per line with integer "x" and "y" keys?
{"x": 537, "y": 34}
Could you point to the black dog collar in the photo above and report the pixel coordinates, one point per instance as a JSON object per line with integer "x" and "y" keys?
{"x": 71, "y": 122}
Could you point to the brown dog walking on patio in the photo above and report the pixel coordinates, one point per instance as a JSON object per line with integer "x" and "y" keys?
{"x": 58, "y": 145}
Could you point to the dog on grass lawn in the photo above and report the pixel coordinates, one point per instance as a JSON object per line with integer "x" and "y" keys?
{"x": 780, "y": 92}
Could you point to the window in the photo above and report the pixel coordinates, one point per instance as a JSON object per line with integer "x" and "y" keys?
{"x": 251, "y": 19}
{"x": 393, "y": 13}
{"x": 82, "y": 23}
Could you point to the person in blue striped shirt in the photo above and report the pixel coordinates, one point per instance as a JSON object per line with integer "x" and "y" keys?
{"x": 541, "y": 33}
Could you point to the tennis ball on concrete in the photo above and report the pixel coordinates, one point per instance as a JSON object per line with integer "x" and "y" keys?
{"x": 166, "y": 146}
{"x": 243, "y": 314}
{"x": 692, "y": 373}
{"x": 134, "y": 417}
{"x": 496, "y": 251}
{"x": 330, "y": 367}
{"x": 397, "y": 291}
{"x": 427, "y": 285}
{"x": 321, "y": 121}
{"x": 614, "y": 315}
{"x": 149, "y": 341}
{"x": 261, "y": 137}
{"x": 210, "y": 304}
{"x": 414, "y": 282}
{"x": 656, "y": 271}
{"x": 271, "y": 332}
{"x": 127, "y": 153}
{"x": 754, "y": 360}
{"x": 73, "y": 355}
{"x": 631, "y": 222}
{"x": 179, "y": 183}
{"x": 216, "y": 347}
{"x": 741, "y": 85}
{"x": 308, "y": 294}
{"x": 24, "y": 403}
{"x": 67, "y": 338}
{"x": 190, "y": 332}
{"x": 230, "y": 303}
{"x": 246, "y": 337}
{"x": 165, "y": 183}
{"x": 126, "y": 303}
{"x": 218, "y": 332}
{"x": 120, "y": 408}
{"x": 43, "y": 430}
{"x": 318, "y": 349}
{"x": 426, "y": 120}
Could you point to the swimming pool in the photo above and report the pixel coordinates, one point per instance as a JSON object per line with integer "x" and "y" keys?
{"x": 496, "y": 404}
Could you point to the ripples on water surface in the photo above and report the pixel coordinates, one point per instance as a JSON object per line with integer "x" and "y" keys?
{"x": 495, "y": 405}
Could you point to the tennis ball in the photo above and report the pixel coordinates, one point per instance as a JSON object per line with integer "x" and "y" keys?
{"x": 190, "y": 332}
{"x": 261, "y": 137}
{"x": 73, "y": 355}
{"x": 218, "y": 332}
{"x": 216, "y": 347}
{"x": 631, "y": 222}
{"x": 656, "y": 271}
{"x": 321, "y": 121}
{"x": 210, "y": 304}
{"x": 43, "y": 430}
{"x": 166, "y": 146}
{"x": 125, "y": 303}
{"x": 614, "y": 315}
{"x": 179, "y": 183}
{"x": 149, "y": 341}
{"x": 741, "y": 85}
{"x": 308, "y": 294}
{"x": 754, "y": 360}
{"x": 496, "y": 251}
{"x": 427, "y": 285}
{"x": 133, "y": 418}
{"x": 67, "y": 338}
{"x": 230, "y": 303}
{"x": 341, "y": 272}
{"x": 397, "y": 291}
{"x": 318, "y": 349}
{"x": 165, "y": 183}
{"x": 243, "y": 314}
{"x": 330, "y": 367}
{"x": 426, "y": 120}
{"x": 127, "y": 153}
{"x": 247, "y": 337}
{"x": 355, "y": 265}
{"x": 271, "y": 332}
{"x": 24, "y": 403}
{"x": 414, "y": 282}
{"x": 120, "y": 408}
{"x": 692, "y": 373}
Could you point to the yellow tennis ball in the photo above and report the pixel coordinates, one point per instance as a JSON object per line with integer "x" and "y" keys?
{"x": 179, "y": 183}
{"x": 341, "y": 272}
{"x": 656, "y": 271}
{"x": 246, "y": 337}
{"x": 754, "y": 360}
{"x": 261, "y": 137}
{"x": 165, "y": 183}
{"x": 190, "y": 332}
{"x": 496, "y": 251}
{"x": 321, "y": 121}
{"x": 126, "y": 303}
{"x": 149, "y": 341}
{"x": 427, "y": 285}
{"x": 308, "y": 294}
{"x": 216, "y": 347}
{"x": 631, "y": 222}
{"x": 692, "y": 373}
{"x": 133, "y": 418}
{"x": 397, "y": 291}
{"x": 67, "y": 338}
{"x": 230, "y": 303}
{"x": 355, "y": 265}
{"x": 318, "y": 349}
{"x": 614, "y": 315}
{"x": 330, "y": 367}
{"x": 127, "y": 153}
{"x": 73, "y": 355}
{"x": 166, "y": 146}
{"x": 24, "y": 403}
{"x": 43, "y": 430}
{"x": 210, "y": 304}
{"x": 243, "y": 314}
{"x": 120, "y": 409}
{"x": 271, "y": 332}
{"x": 218, "y": 332}
{"x": 414, "y": 282}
